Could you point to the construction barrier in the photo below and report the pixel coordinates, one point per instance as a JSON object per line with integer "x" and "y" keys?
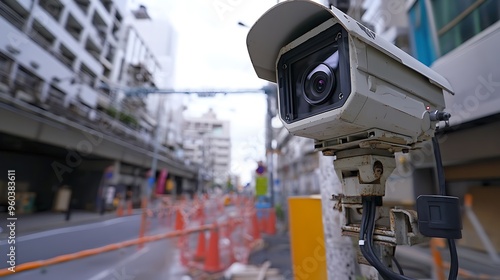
{"x": 209, "y": 237}
{"x": 267, "y": 220}
{"x": 234, "y": 235}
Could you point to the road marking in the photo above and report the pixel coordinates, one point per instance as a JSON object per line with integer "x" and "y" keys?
{"x": 68, "y": 229}
{"x": 107, "y": 272}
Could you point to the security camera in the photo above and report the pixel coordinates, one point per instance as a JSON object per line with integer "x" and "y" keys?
{"x": 340, "y": 83}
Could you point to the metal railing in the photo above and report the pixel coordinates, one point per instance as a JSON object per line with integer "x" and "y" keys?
{"x": 65, "y": 60}
{"x": 39, "y": 39}
{"x": 4, "y": 77}
{"x": 86, "y": 78}
{"x": 55, "y": 100}
{"x": 29, "y": 89}
{"x": 52, "y": 9}
{"x": 10, "y": 15}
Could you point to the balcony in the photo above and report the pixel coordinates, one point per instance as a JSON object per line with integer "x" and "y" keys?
{"x": 41, "y": 36}
{"x": 139, "y": 75}
{"x": 101, "y": 27}
{"x": 65, "y": 56}
{"x": 87, "y": 78}
{"x": 27, "y": 86}
{"x": 83, "y": 5}
{"x": 5, "y": 70}
{"x": 92, "y": 48}
{"x": 107, "y": 4}
{"x": 79, "y": 112}
{"x": 4, "y": 82}
{"x": 53, "y": 8}
{"x": 16, "y": 15}
{"x": 55, "y": 101}
{"x": 110, "y": 55}
{"x": 73, "y": 27}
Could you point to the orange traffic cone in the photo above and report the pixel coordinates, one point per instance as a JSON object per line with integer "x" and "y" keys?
{"x": 229, "y": 236}
{"x": 129, "y": 207}
{"x": 212, "y": 260}
{"x": 255, "y": 226}
{"x": 271, "y": 222}
{"x": 119, "y": 209}
{"x": 263, "y": 222}
{"x": 179, "y": 220}
{"x": 200, "y": 250}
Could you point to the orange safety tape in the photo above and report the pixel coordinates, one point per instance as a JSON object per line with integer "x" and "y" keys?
{"x": 107, "y": 248}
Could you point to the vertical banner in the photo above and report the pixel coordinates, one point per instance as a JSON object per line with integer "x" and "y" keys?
{"x": 160, "y": 185}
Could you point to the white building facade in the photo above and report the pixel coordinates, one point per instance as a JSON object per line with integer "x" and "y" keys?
{"x": 207, "y": 142}
{"x": 59, "y": 74}
{"x": 61, "y": 49}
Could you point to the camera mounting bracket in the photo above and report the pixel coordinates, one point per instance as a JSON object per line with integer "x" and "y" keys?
{"x": 364, "y": 172}
{"x": 371, "y": 139}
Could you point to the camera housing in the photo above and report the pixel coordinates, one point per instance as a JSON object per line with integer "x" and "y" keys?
{"x": 340, "y": 83}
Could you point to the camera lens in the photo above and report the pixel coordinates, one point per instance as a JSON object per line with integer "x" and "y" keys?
{"x": 318, "y": 84}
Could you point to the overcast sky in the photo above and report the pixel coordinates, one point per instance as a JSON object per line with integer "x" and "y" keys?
{"x": 212, "y": 54}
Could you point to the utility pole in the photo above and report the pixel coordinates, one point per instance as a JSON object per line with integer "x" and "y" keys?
{"x": 270, "y": 90}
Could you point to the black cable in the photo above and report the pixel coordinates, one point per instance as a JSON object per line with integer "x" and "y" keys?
{"x": 400, "y": 269}
{"x": 381, "y": 268}
{"x": 453, "y": 274}
{"x": 362, "y": 232}
{"x": 439, "y": 166}
{"x": 454, "y": 260}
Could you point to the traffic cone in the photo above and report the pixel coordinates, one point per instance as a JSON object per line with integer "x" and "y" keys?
{"x": 129, "y": 207}
{"x": 263, "y": 222}
{"x": 200, "y": 212}
{"x": 255, "y": 226}
{"x": 229, "y": 236}
{"x": 271, "y": 222}
{"x": 119, "y": 209}
{"x": 179, "y": 220}
{"x": 212, "y": 259}
{"x": 200, "y": 250}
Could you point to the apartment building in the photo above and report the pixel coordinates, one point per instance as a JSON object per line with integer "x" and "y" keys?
{"x": 60, "y": 50}
{"x": 65, "y": 122}
{"x": 207, "y": 142}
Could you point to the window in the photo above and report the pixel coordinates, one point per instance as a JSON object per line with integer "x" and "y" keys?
{"x": 459, "y": 20}
{"x": 452, "y": 23}
{"x": 5, "y": 65}
{"x": 53, "y": 7}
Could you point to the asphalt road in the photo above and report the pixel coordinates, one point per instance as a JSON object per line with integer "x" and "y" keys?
{"x": 156, "y": 260}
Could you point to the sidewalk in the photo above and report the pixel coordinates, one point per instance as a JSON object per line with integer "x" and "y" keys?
{"x": 42, "y": 221}
{"x": 277, "y": 251}
{"x": 416, "y": 260}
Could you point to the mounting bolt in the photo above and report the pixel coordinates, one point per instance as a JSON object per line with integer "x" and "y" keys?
{"x": 378, "y": 169}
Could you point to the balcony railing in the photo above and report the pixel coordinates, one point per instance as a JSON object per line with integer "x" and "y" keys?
{"x": 39, "y": 39}
{"x": 52, "y": 9}
{"x": 10, "y": 15}
{"x": 65, "y": 60}
{"x": 86, "y": 78}
{"x": 27, "y": 90}
{"x": 55, "y": 100}
{"x": 4, "y": 79}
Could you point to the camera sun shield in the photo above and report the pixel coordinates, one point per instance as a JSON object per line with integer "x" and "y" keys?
{"x": 339, "y": 81}
{"x": 315, "y": 75}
